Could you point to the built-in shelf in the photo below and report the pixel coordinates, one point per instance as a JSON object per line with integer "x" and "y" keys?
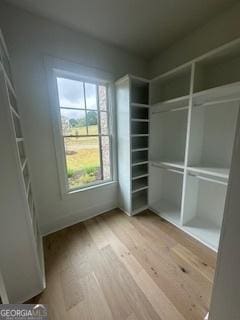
{"x": 139, "y": 149}
{"x": 168, "y": 211}
{"x": 140, "y": 171}
{"x": 171, "y": 87}
{"x": 139, "y": 142}
{"x": 140, "y": 209}
{"x": 140, "y": 176}
{"x": 211, "y": 171}
{"x": 211, "y": 138}
{"x": 176, "y": 104}
{"x": 139, "y": 120}
{"x": 138, "y": 163}
{"x": 165, "y": 192}
{"x": 171, "y": 164}
{"x": 204, "y": 201}
{"x": 204, "y": 230}
{"x": 140, "y": 135}
{"x": 140, "y": 189}
{"x": 163, "y": 111}
{"x": 139, "y": 184}
{"x": 221, "y": 94}
{"x": 139, "y": 114}
{"x": 139, "y": 105}
{"x": 139, "y": 201}
{"x": 132, "y": 96}
{"x": 139, "y": 127}
{"x": 168, "y": 133}
{"x": 19, "y": 187}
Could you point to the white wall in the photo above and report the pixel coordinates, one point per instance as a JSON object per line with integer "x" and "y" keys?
{"x": 222, "y": 29}
{"x": 29, "y": 39}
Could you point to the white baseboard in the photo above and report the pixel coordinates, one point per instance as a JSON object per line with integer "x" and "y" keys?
{"x": 80, "y": 216}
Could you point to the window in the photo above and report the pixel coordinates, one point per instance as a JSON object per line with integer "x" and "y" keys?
{"x": 85, "y": 129}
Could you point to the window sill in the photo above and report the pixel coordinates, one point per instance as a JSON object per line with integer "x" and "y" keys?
{"x": 74, "y": 192}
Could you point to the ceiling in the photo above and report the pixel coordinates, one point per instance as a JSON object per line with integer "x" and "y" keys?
{"x": 144, "y": 27}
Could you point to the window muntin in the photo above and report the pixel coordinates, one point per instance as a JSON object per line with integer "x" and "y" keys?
{"x": 86, "y": 136}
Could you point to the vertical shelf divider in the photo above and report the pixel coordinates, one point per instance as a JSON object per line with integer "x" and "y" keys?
{"x": 190, "y": 106}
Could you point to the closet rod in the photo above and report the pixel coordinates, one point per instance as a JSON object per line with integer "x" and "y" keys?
{"x": 211, "y": 103}
{"x": 165, "y": 168}
{"x": 208, "y": 179}
{"x": 171, "y": 110}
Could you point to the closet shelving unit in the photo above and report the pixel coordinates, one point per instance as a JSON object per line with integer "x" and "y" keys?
{"x": 193, "y": 117}
{"x": 28, "y": 250}
{"x": 133, "y": 143}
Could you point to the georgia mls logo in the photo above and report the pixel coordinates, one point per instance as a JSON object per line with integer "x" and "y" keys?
{"x": 23, "y": 312}
{"x": 39, "y": 310}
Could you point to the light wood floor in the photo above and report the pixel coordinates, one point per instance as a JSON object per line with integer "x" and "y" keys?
{"x": 117, "y": 267}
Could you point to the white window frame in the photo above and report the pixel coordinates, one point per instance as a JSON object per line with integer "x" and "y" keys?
{"x": 59, "y": 68}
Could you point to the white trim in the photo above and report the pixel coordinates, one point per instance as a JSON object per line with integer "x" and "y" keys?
{"x": 55, "y": 67}
{"x": 88, "y": 187}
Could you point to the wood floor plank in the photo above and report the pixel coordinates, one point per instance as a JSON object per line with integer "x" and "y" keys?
{"x": 114, "y": 294}
{"x": 71, "y": 288}
{"x": 163, "y": 307}
{"x": 193, "y": 276}
{"x": 94, "y": 306}
{"x": 180, "y": 237}
{"x": 200, "y": 265}
{"x": 115, "y": 267}
{"x": 137, "y": 300}
{"x": 176, "y": 284}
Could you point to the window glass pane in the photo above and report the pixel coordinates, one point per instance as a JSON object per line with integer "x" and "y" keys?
{"x": 106, "y": 160}
{"x": 91, "y": 96}
{"x": 104, "y": 122}
{"x": 102, "y": 93}
{"x": 70, "y": 92}
{"x": 92, "y": 122}
{"x": 73, "y": 122}
{"x": 83, "y": 161}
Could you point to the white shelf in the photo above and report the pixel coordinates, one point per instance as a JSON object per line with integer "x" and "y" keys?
{"x": 139, "y": 185}
{"x": 140, "y": 189}
{"x": 139, "y": 149}
{"x": 140, "y": 209}
{"x": 139, "y": 204}
{"x": 211, "y": 171}
{"x": 170, "y": 104}
{"x": 139, "y": 105}
{"x": 19, "y": 140}
{"x": 172, "y": 164}
{"x": 140, "y": 176}
{"x": 139, "y": 172}
{"x": 168, "y": 211}
{"x": 140, "y": 135}
{"x": 204, "y": 230}
{"x": 139, "y": 120}
{"x": 138, "y": 163}
{"x": 217, "y": 94}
